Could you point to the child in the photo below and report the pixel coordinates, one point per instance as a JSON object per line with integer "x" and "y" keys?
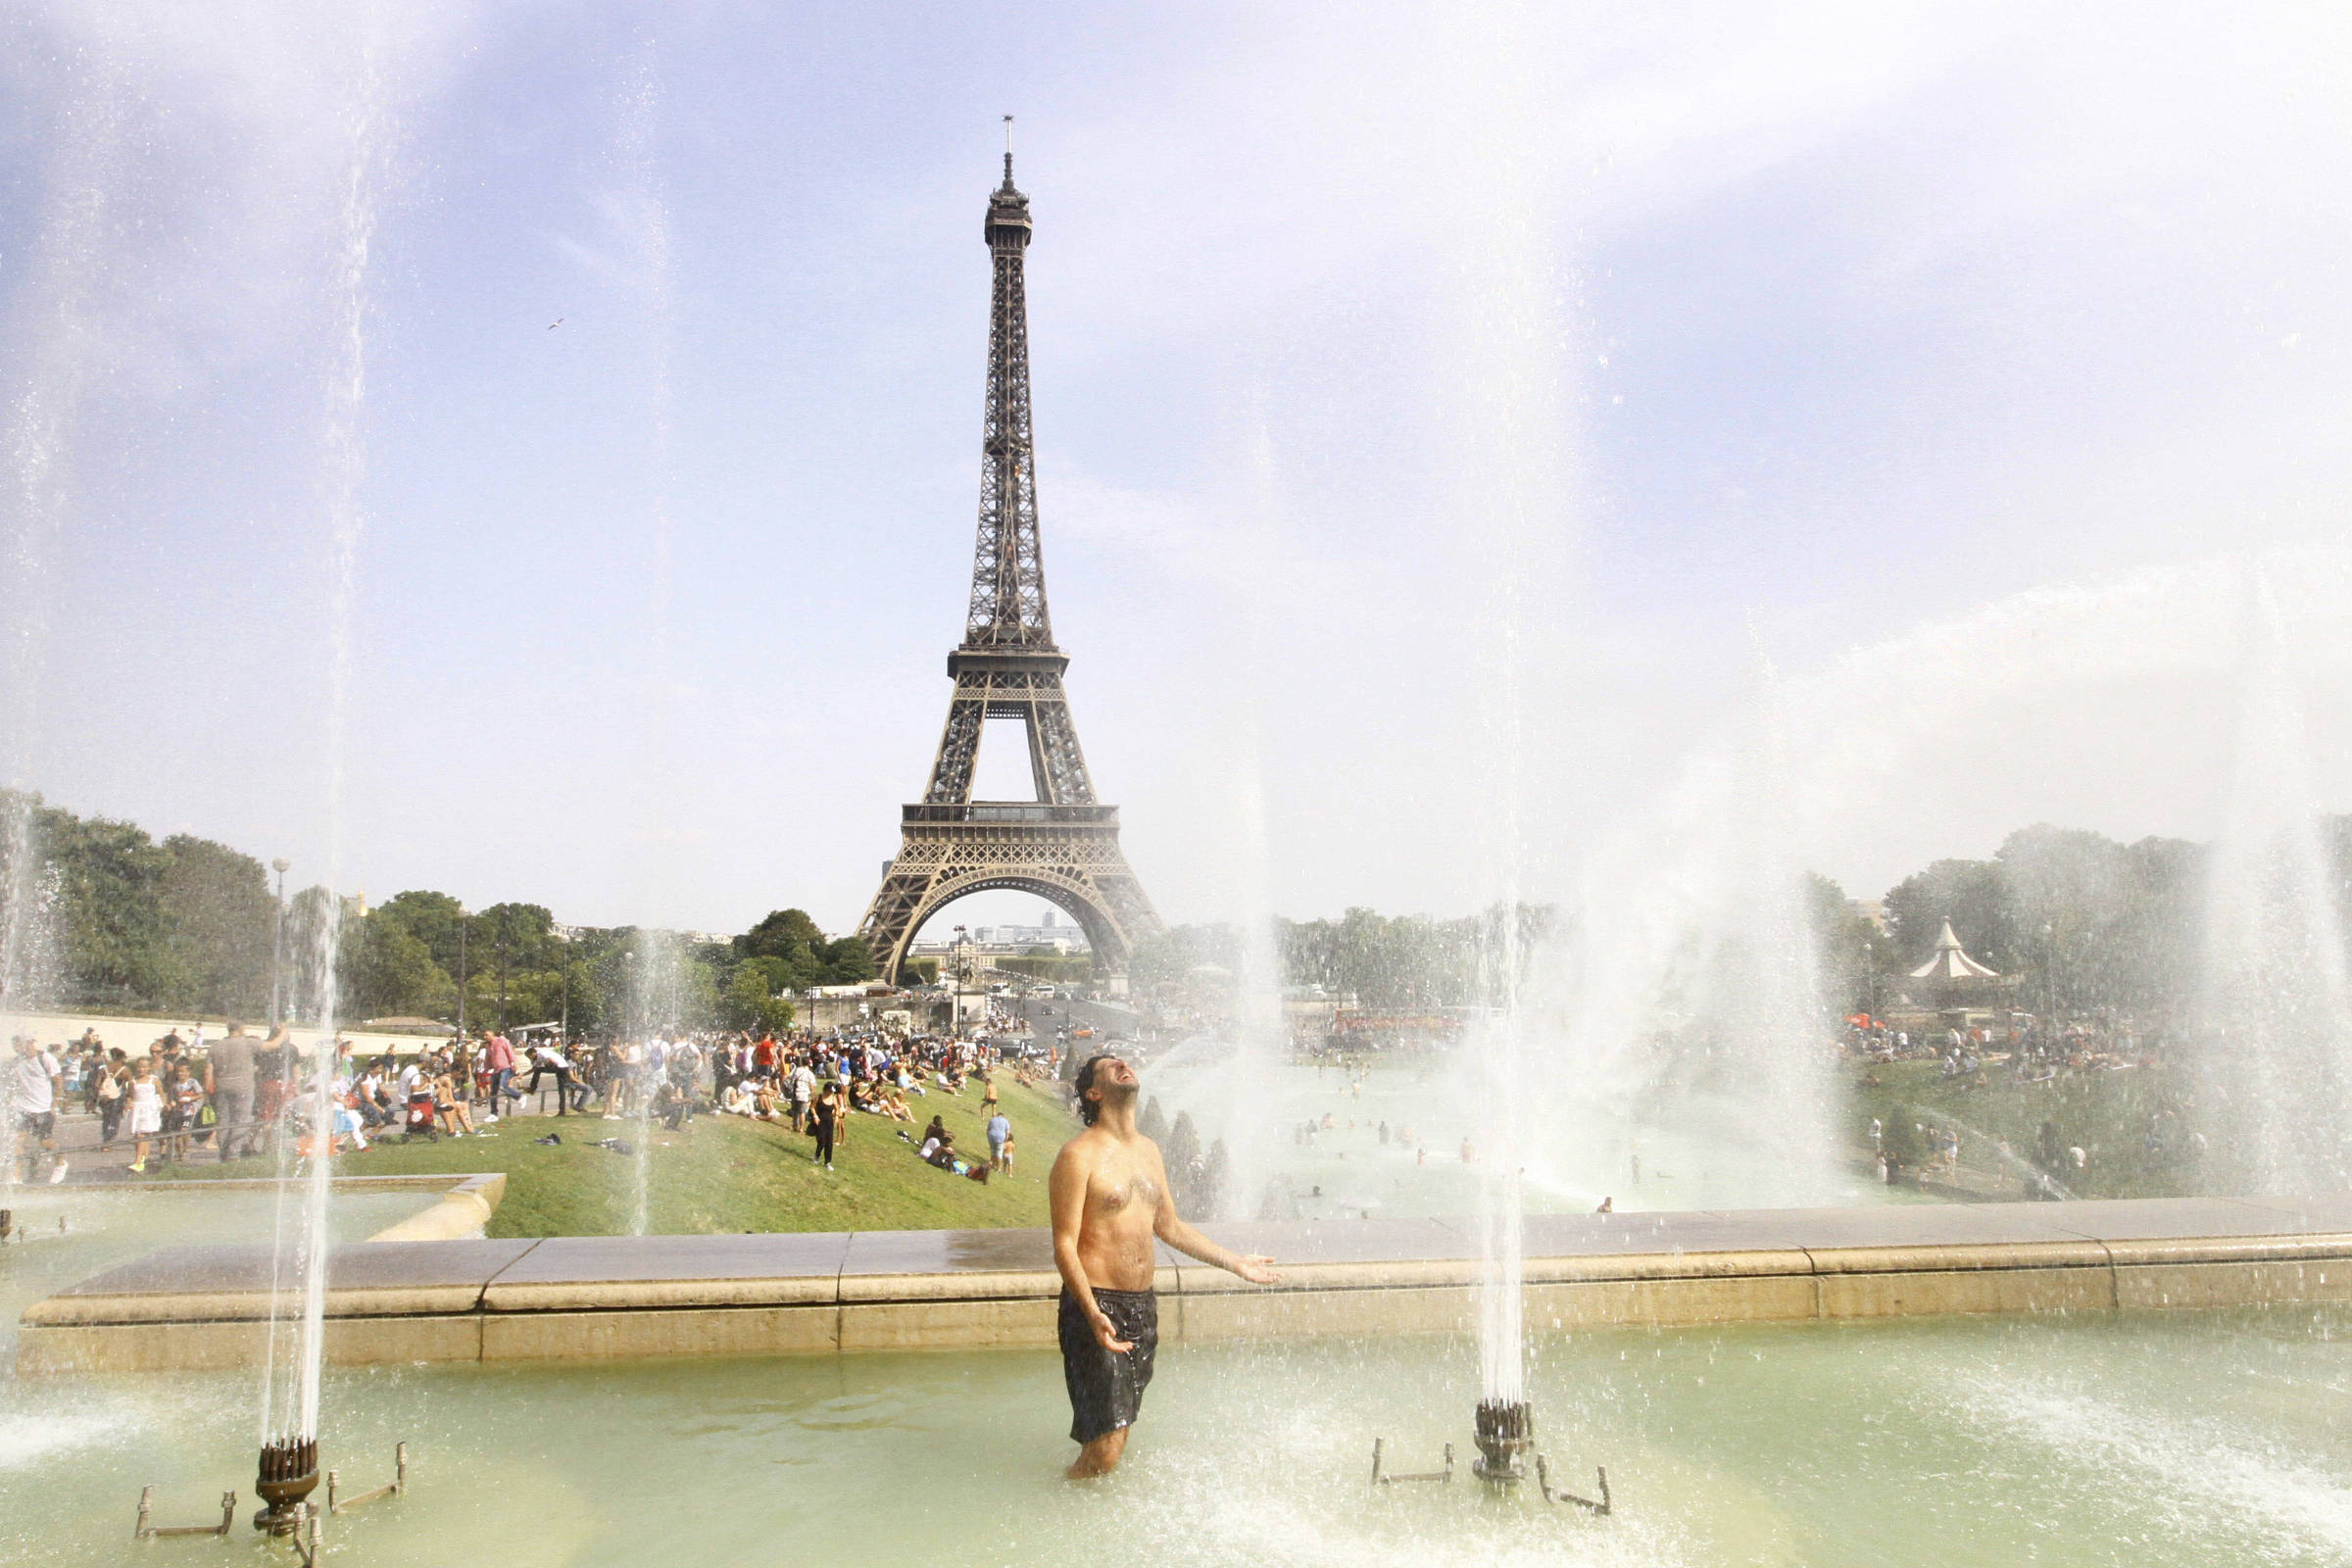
{"x": 146, "y": 1100}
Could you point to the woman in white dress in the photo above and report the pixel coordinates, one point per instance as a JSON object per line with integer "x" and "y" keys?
{"x": 146, "y": 1108}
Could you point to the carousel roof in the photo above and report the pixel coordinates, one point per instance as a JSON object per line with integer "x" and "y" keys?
{"x": 1951, "y": 961}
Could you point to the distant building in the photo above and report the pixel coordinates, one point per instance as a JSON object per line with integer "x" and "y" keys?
{"x": 1016, "y": 938}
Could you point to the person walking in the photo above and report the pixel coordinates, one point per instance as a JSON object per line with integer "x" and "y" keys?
{"x": 828, "y": 1117}
{"x": 146, "y": 1098}
{"x": 114, "y": 1082}
{"x": 229, "y": 1078}
{"x": 499, "y": 1056}
{"x": 37, "y": 1082}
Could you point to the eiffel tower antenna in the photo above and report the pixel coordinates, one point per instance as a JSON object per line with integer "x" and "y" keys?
{"x": 1064, "y": 845}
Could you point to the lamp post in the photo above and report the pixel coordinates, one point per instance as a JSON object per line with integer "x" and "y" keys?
{"x": 957, "y": 1023}
{"x": 1869, "y": 968}
{"x": 502, "y": 968}
{"x": 564, "y": 1024}
{"x": 278, "y": 941}
{"x": 460, "y": 971}
{"x": 2049, "y": 983}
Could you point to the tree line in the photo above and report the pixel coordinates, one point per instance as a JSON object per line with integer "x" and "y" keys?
{"x": 2085, "y": 921}
{"x": 103, "y": 915}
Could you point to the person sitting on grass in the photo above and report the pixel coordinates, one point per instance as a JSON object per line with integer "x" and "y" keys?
{"x": 457, "y": 1117}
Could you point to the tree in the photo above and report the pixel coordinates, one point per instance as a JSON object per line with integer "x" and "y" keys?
{"x": 1846, "y": 945}
{"x": 1973, "y": 894}
{"x": 848, "y": 960}
{"x": 112, "y": 932}
{"x": 1181, "y": 1152}
{"x": 779, "y": 934}
{"x": 1215, "y": 1178}
{"x": 433, "y": 918}
{"x": 751, "y": 1001}
{"x": 396, "y": 975}
{"x": 219, "y": 922}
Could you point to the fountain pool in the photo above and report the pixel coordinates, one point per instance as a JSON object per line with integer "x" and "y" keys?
{"x": 104, "y": 1228}
{"x": 1573, "y": 1162}
{"x": 2184, "y": 1437}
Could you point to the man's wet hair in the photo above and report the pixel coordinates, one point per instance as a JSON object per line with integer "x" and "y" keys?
{"x": 1088, "y": 1109}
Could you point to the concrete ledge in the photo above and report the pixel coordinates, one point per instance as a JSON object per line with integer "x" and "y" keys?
{"x": 588, "y": 1297}
{"x": 465, "y": 1210}
{"x": 223, "y": 1347}
{"x": 610, "y": 1335}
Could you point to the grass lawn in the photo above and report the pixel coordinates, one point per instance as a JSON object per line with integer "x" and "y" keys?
{"x": 2107, "y": 1115}
{"x": 729, "y": 1173}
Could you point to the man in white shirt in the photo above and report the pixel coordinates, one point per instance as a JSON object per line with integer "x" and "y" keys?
{"x": 803, "y": 1090}
{"x": 35, "y": 1085}
{"x": 546, "y": 1059}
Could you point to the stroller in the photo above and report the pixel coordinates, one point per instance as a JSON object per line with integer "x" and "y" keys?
{"x": 423, "y": 1117}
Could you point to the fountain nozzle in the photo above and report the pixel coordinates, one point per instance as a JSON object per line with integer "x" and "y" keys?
{"x": 1506, "y": 1433}
{"x": 289, "y": 1473}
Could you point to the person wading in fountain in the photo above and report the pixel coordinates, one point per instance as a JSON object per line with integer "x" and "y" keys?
{"x": 1111, "y": 1197}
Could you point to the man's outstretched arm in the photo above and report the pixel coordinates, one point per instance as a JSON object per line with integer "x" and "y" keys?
{"x": 1170, "y": 1227}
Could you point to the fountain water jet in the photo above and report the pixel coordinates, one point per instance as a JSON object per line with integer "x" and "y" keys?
{"x": 2276, "y": 1040}
{"x": 292, "y": 1368}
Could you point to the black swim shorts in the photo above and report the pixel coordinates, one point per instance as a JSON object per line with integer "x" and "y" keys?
{"x": 1106, "y": 1390}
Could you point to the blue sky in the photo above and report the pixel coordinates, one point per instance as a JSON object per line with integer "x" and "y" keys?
{"x": 1437, "y": 408}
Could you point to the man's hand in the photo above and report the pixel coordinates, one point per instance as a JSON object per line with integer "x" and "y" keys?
{"x": 1257, "y": 1270}
{"x": 1109, "y": 1334}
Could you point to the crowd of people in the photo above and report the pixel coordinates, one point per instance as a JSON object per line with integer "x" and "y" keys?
{"x": 240, "y": 1092}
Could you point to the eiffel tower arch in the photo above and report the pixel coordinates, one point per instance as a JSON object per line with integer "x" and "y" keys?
{"x": 1062, "y": 846}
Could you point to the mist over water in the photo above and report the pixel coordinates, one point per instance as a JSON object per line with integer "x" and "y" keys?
{"x": 2274, "y": 1036}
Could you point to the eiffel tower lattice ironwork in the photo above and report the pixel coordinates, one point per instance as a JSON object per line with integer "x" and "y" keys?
{"x": 1064, "y": 845}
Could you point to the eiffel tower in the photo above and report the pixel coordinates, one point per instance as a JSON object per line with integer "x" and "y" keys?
{"x": 1064, "y": 845}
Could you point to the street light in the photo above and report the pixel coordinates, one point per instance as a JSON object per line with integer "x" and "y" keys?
{"x": 565, "y": 1026}
{"x": 2049, "y": 983}
{"x": 962, "y": 958}
{"x": 278, "y": 941}
{"x": 462, "y": 972}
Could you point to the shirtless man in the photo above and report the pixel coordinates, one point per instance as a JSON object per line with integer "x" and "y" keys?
{"x": 1111, "y": 1197}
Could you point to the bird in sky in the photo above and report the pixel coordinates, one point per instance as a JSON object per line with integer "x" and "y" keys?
{"x": 557, "y": 321}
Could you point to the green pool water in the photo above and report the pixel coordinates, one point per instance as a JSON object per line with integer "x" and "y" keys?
{"x": 2192, "y": 1439}
{"x": 107, "y": 1227}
